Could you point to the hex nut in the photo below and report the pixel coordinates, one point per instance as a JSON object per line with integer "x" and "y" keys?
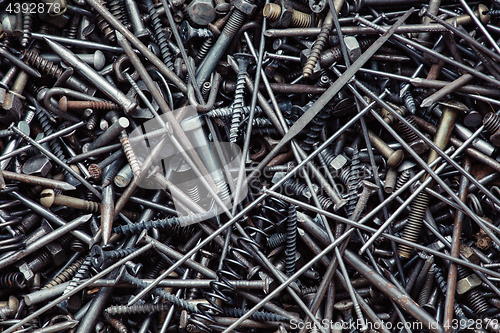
{"x": 201, "y": 12}
{"x": 468, "y": 283}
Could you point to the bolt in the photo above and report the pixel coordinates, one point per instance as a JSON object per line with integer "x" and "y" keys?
{"x": 299, "y": 19}
{"x": 394, "y": 158}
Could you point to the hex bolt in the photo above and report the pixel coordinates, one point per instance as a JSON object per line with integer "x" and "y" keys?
{"x": 299, "y": 19}
{"x": 394, "y": 158}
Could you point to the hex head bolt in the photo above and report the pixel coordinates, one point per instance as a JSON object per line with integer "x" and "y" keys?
{"x": 394, "y": 158}
{"x": 419, "y": 205}
{"x": 273, "y": 12}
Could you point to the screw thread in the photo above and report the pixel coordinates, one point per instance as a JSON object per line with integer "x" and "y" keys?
{"x": 317, "y": 125}
{"x": 234, "y": 23}
{"x": 65, "y": 275}
{"x": 27, "y": 28}
{"x": 403, "y": 179}
{"x": 40, "y": 261}
{"x": 130, "y": 154}
{"x": 426, "y": 290}
{"x": 118, "y": 325}
{"x": 301, "y": 190}
{"x": 104, "y": 26}
{"x": 271, "y": 11}
{"x": 117, "y": 8}
{"x": 92, "y": 122}
{"x": 476, "y": 301}
{"x": 276, "y": 240}
{"x": 491, "y": 122}
{"x": 291, "y": 240}
{"x": 353, "y": 182}
{"x": 237, "y": 108}
{"x": 138, "y": 227}
{"x": 137, "y": 309}
{"x": 81, "y": 273}
{"x": 415, "y": 220}
{"x": 160, "y": 34}
{"x": 73, "y": 26}
{"x": 406, "y": 132}
{"x": 204, "y": 49}
{"x": 258, "y": 315}
{"x": 318, "y": 47}
{"x": 182, "y": 303}
{"x": 300, "y": 19}
{"x": 43, "y": 65}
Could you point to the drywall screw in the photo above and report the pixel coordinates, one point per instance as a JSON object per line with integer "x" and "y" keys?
{"x": 160, "y": 34}
{"x": 394, "y": 158}
{"x": 232, "y": 26}
{"x": 237, "y": 107}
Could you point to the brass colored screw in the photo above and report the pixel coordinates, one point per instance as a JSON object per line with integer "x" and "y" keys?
{"x": 272, "y": 12}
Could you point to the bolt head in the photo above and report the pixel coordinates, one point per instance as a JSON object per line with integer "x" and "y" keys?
{"x": 369, "y": 186}
{"x": 63, "y": 104}
{"x": 47, "y": 197}
{"x": 468, "y": 283}
{"x": 395, "y": 159}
